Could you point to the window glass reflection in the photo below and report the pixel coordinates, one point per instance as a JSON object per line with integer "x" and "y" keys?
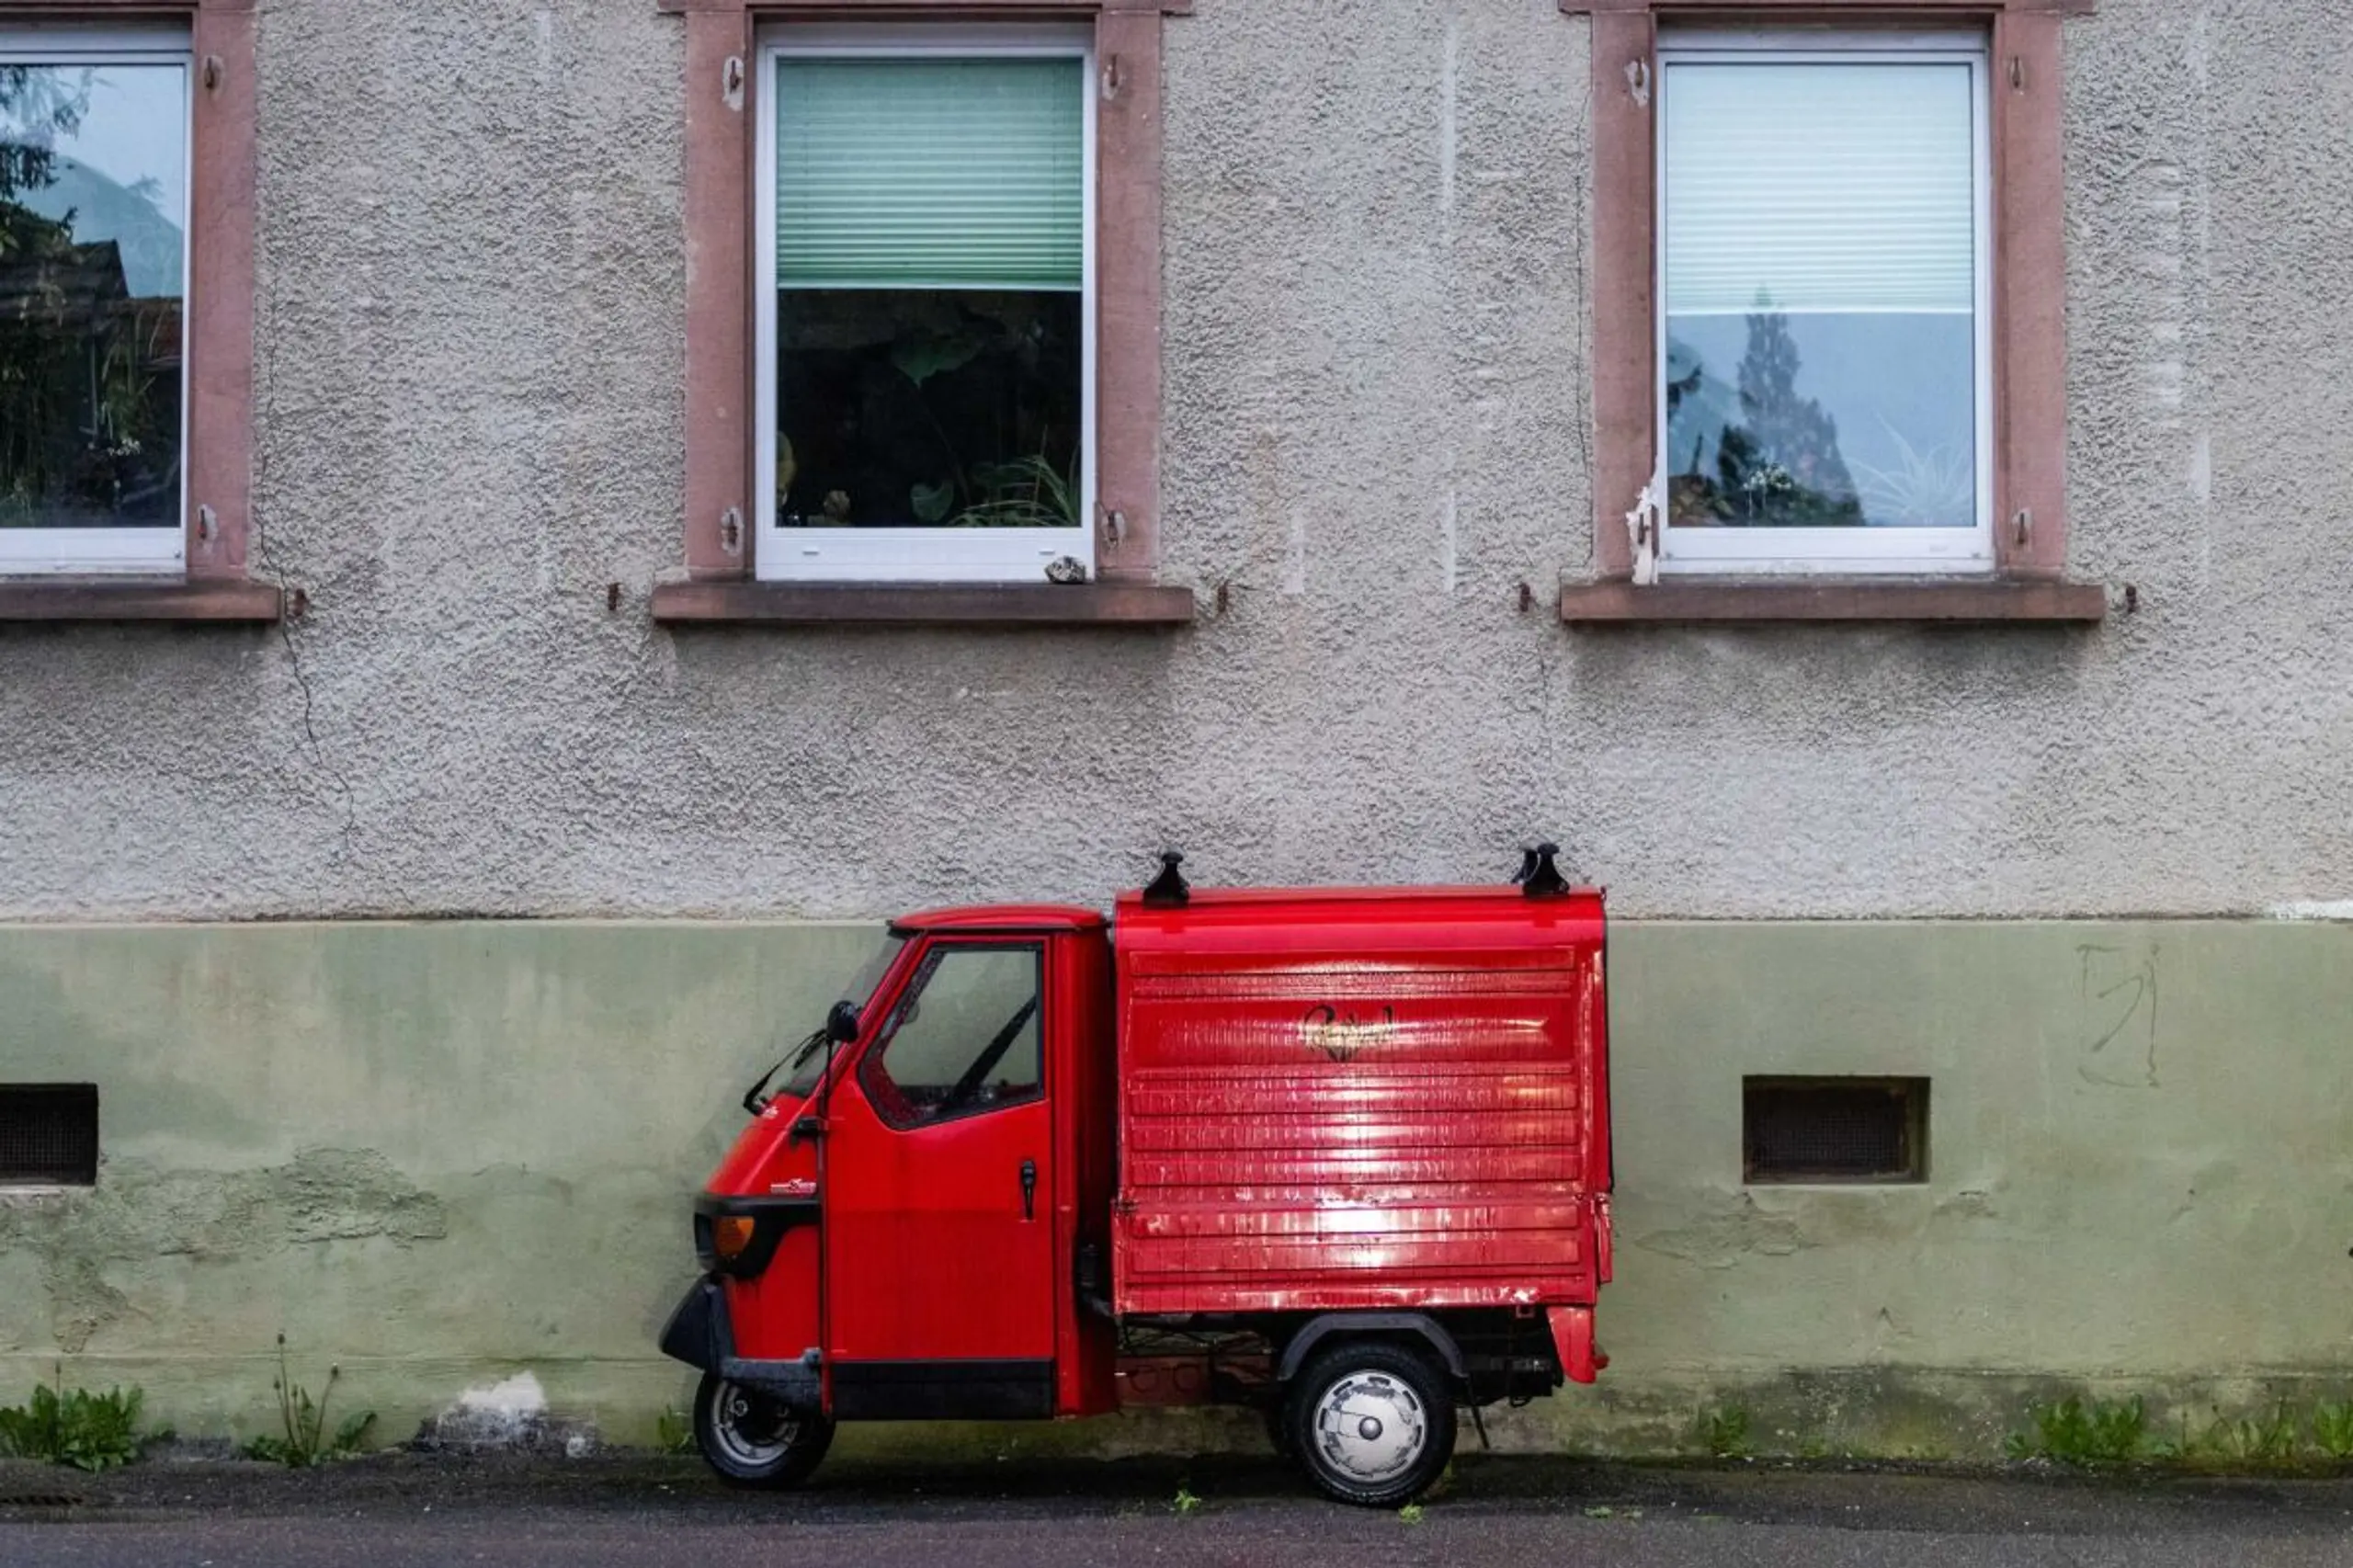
{"x": 93, "y": 240}
{"x": 1821, "y": 294}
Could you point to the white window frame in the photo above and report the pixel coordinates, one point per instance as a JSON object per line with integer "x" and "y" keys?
{"x": 1839, "y": 550}
{"x": 910, "y": 555}
{"x": 123, "y": 551}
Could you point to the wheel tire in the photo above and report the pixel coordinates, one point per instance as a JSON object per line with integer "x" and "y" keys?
{"x": 752, "y": 1440}
{"x": 1278, "y": 1418}
{"x": 1372, "y": 1423}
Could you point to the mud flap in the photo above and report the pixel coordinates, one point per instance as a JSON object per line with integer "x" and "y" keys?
{"x": 699, "y": 1332}
{"x": 1572, "y": 1341}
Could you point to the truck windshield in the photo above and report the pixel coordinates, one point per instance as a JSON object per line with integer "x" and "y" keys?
{"x": 807, "y": 1066}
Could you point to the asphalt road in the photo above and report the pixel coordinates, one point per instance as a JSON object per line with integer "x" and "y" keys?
{"x": 1500, "y": 1513}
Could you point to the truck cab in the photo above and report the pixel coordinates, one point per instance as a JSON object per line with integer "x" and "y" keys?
{"x": 1337, "y": 1154}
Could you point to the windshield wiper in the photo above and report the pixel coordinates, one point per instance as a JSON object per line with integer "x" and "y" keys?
{"x": 752, "y": 1102}
{"x": 840, "y": 1028}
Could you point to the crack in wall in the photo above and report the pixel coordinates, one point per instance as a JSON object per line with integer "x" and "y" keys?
{"x": 290, "y": 597}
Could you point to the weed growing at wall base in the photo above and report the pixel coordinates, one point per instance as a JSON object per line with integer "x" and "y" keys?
{"x": 2333, "y": 1428}
{"x": 2071, "y": 1432}
{"x": 2289, "y": 1438}
{"x": 88, "y": 1431}
{"x": 1724, "y": 1433}
{"x": 307, "y": 1441}
{"x": 2271, "y": 1443}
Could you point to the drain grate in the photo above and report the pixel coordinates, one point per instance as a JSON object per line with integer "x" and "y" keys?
{"x": 1834, "y": 1130}
{"x": 49, "y": 1134}
{"x": 43, "y": 1500}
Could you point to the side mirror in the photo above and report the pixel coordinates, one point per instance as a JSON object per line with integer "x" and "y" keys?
{"x": 841, "y": 1023}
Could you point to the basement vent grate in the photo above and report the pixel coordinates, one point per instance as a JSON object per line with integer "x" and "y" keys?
{"x": 49, "y": 1134}
{"x": 1834, "y": 1129}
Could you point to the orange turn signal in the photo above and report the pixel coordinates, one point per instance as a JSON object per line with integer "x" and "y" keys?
{"x": 731, "y": 1235}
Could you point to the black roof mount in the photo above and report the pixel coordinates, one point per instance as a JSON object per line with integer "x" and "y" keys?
{"x": 1538, "y": 877}
{"x": 1169, "y": 890}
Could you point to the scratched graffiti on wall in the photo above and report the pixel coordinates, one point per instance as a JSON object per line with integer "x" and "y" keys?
{"x": 2117, "y": 1015}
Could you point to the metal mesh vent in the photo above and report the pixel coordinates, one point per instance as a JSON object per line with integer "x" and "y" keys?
{"x": 49, "y": 1134}
{"x": 1871, "y": 1129}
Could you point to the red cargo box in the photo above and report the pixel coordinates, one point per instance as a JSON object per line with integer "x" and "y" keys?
{"x": 1360, "y": 1098}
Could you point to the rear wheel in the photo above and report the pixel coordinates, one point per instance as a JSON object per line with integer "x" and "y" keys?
{"x": 1372, "y": 1423}
{"x": 753, "y": 1439}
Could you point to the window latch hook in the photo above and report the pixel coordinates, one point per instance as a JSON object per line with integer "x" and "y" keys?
{"x": 1638, "y": 82}
{"x": 1641, "y": 535}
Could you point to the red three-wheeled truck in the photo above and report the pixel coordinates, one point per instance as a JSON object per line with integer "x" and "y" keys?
{"x": 1341, "y": 1155}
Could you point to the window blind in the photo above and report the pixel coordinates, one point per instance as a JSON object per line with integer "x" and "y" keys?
{"x": 930, "y": 174}
{"x": 1820, "y": 187}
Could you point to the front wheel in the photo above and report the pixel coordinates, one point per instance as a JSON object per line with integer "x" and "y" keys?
{"x": 753, "y": 1439}
{"x": 1372, "y": 1423}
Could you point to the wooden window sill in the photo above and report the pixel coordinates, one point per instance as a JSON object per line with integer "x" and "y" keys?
{"x": 1688, "y": 601}
{"x": 921, "y": 604}
{"x": 224, "y": 602}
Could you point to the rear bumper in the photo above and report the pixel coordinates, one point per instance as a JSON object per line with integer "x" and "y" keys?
{"x": 700, "y": 1334}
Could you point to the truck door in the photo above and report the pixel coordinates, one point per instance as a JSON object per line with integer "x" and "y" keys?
{"x": 938, "y": 1198}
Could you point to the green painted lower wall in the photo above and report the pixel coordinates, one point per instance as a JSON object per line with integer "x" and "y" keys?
{"x": 444, "y": 1155}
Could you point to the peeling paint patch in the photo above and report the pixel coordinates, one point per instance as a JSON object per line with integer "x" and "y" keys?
{"x": 140, "y": 1212}
{"x": 1969, "y": 1203}
{"x": 331, "y": 1194}
{"x": 1723, "y": 1238}
{"x": 81, "y": 1301}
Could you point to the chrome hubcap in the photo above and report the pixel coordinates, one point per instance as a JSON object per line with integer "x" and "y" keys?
{"x": 751, "y": 1429}
{"x": 1370, "y": 1427}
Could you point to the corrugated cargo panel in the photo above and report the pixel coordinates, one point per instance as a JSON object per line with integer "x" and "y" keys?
{"x": 1366, "y": 1120}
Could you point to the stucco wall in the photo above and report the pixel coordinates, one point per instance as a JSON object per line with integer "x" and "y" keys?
{"x": 471, "y": 315}
{"x": 447, "y": 1155}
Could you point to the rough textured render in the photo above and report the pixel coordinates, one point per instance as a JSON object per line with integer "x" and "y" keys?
{"x": 470, "y": 383}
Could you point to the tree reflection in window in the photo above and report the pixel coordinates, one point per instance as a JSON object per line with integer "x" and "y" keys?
{"x": 90, "y": 295}
{"x": 1776, "y": 457}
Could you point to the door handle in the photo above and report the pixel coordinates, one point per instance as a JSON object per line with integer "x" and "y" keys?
{"x": 1028, "y": 1189}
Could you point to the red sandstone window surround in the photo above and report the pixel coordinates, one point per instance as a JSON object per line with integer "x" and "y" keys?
{"x": 2026, "y": 340}
{"x": 722, "y": 391}
{"x": 208, "y": 583}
